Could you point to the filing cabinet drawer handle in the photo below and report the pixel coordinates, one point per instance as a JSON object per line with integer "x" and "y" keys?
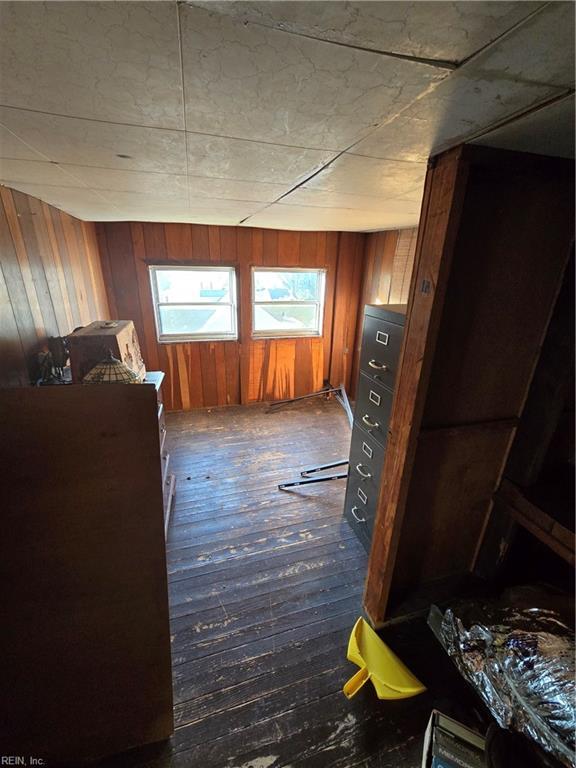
{"x": 355, "y": 516}
{"x": 371, "y": 424}
{"x": 361, "y": 472}
{"x": 378, "y": 366}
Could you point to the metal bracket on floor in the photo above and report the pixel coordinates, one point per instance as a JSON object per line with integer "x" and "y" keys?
{"x": 341, "y": 396}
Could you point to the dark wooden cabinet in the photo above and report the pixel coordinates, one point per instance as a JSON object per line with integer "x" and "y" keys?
{"x": 86, "y": 639}
{"x": 381, "y": 341}
{"x": 156, "y": 378}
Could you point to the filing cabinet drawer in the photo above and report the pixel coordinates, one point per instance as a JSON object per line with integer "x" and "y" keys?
{"x": 373, "y": 408}
{"x": 381, "y": 342}
{"x": 359, "y": 508}
{"x": 366, "y": 460}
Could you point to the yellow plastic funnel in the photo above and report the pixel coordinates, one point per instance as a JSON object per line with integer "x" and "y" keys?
{"x": 390, "y": 678}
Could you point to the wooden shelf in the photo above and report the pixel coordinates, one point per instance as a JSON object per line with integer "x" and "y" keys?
{"x": 540, "y": 524}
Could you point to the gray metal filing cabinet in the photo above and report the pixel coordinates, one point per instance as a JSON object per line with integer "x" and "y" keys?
{"x": 381, "y": 340}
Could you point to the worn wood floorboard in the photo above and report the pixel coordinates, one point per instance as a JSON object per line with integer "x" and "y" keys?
{"x": 264, "y": 589}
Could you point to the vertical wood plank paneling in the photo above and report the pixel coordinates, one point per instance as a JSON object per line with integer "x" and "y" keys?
{"x": 48, "y": 225}
{"x": 201, "y": 243}
{"x": 289, "y": 249}
{"x": 75, "y": 258}
{"x": 19, "y": 250}
{"x": 49, "y": 282}
{"x": 173, "y": 243}
{"x": 148, "y": 339}
{"x": 13, "y": 371}
{"x": 67, "y": 267}
{"x": 386, "y": 280}
{"x": 330, "y": 252}
{"x": 347, "y": 299}
{"x": 270, "y": 248}
{"x": 207, "y": 374}
{"x": 106, "y": 270}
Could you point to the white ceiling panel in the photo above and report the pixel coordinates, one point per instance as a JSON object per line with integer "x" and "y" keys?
{"x": 449, "y": 31}
{"x": 68, "y": 199}
{"x": 332, "y": 219}
{"x": 171, "y": 185}
{"x": 323, "y": 199}
{"x": 88, "y": 142}
{"x": 224, "y": 158}
{"x": 296, "y": 115}
{"x": 33, "y": 172}
{"x": 357, "y": 175}
{"x": 548, "y": 131}
{"x": 15, "y": 149}
{"x": 540, "y": 51}
{"x": 253, "y": 82}
{"x": 149, "y": 205}
{"x": 510, "y": 77}
{"x": 106, "y": 180}
{"x": 230, "y": 189}
{"x": 102, "y": 60}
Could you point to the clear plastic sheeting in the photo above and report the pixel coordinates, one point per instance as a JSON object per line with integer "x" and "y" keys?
{"x": 521, "y": 661}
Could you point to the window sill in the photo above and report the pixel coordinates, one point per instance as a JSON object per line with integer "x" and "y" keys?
{"x": 194, "y": 339}
{"x": 279, "y": 336}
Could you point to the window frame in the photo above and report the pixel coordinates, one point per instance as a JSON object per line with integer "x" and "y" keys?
{"x": 282, "y": 334}
{"x": 175, "y": 338}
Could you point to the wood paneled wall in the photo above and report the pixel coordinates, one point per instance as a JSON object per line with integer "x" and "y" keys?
{"x": 50, "y": 280}
{"x": 388, "y": 267}
{"x": 387, "y": 273}
{"x": 204, "y": 374}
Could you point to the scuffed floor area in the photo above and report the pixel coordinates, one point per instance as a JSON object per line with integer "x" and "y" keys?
{"x": 265, "y": 587}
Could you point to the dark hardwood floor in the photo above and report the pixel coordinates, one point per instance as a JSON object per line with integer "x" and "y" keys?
{"x": 265, "y": 587}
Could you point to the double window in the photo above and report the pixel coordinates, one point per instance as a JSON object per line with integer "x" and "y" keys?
{"x": 200, "y": 303}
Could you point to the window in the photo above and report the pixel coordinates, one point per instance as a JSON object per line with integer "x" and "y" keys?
{"x": 288, "y": 302}
{"x": 194, "y": 303}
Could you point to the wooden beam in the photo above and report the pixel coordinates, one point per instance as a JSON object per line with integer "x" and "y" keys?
{"x": 542, "y": 525}
{"x": 441, "y": 207}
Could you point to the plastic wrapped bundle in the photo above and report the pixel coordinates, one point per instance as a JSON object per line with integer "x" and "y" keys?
{"x": 521, "y": 661}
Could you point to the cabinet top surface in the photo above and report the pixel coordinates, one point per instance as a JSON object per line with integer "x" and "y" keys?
{"x": 396, "y": 313}
{"x": 102, "y": 328}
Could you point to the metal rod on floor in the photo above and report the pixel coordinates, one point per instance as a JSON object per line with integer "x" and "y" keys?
{"x": 322, "y": 467}
{"x": 342, "y": 398}
{"x": 280, "y": 403}
{"x": 309, "y": 480}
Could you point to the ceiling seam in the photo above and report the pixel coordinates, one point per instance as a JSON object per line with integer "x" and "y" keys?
{"x": 470, "y": 137}
{"x": 145, "y": 172}
{"x": 504, "y": 34}
{"x": 436, "y": 63}
{"x": 172, "y": 130}
{"x": 428, "y": 90}
{"x": 431, "y": 87}
{"x": 517, "y": 116}
{"x": 182, "y": 86}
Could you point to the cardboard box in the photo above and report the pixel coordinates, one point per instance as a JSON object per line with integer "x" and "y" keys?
{"x": 90, "y": 345}
{"x": 449, "y": 744}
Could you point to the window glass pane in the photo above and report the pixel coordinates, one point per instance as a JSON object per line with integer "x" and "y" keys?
{"x": 285, "y": 318}
{"x": 196, "y": 320}
{"x": 193, "y": 286}
{"x": 287, "y": 286}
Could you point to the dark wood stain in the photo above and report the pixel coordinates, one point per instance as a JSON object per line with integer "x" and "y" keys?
{"x": 264, "y": 589}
